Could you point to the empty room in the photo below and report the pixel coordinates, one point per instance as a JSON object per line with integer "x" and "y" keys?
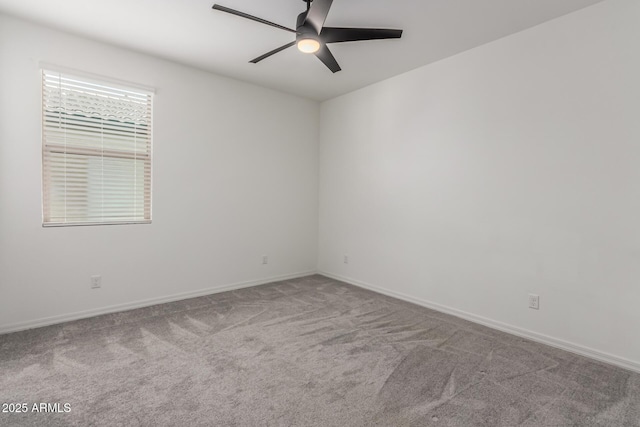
{"x": 320, "y": 213}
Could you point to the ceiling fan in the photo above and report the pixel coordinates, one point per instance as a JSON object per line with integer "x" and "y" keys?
{"x": 312, "y": 36}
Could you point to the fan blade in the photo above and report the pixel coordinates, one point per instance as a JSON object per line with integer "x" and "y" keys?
{"x": 325, "y": 55}
{"x": 339, "y": 35}
{"x": 273, "y": 52}
{"x": 318, "y": 14}
{"x": 253, "y": 18}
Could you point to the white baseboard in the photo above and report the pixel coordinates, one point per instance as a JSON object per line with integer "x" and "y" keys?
{"x": 46, "y": 321}
{"x": 494, "y": 324}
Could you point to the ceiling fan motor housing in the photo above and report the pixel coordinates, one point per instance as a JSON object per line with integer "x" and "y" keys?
{"x": 305, "y": 31}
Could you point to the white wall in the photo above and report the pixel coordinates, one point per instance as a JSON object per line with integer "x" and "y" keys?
{"x": 235, "y": 177}
{"x": 510, "y": 169}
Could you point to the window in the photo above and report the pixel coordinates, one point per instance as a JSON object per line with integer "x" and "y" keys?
{"x": 96, "y": 151}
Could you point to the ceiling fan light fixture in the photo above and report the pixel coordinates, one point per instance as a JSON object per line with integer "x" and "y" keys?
{"x": 308, "y": 45}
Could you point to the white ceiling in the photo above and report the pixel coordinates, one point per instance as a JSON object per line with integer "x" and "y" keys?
{"x": 190, "y": 32}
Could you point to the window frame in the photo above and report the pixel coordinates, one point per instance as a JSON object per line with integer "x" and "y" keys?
{"x": 92, "y": 152}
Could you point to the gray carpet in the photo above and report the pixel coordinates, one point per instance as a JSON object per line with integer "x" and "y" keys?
{"x": 304, "y": 352}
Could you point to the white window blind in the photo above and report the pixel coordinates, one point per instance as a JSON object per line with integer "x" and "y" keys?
{"x": 96, "y": 152}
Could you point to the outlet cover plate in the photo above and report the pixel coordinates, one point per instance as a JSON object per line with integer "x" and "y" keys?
{"x": 96, "y": 282}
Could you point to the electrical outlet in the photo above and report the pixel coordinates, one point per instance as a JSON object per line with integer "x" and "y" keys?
{"x": 96, "y": 282}
{"x": 534, "y": 301}
{"x": 265, "y": 259}
{"x": 346, "y": 259}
